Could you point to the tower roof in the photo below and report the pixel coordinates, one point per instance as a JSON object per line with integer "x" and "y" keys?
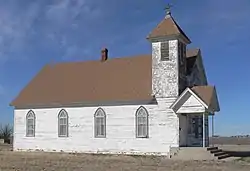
{"x": 168, "y": 27}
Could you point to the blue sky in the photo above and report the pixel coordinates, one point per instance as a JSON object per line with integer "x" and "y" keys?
{"x": 36, "y": 32}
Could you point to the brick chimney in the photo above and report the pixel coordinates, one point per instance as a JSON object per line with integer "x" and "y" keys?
{"x": 104, "y": 55}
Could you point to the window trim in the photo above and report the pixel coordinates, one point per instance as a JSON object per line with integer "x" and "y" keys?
{"x": 95, "y": 123}
{"x": 67, "y": 123}
{"x": 34, "y": 123}
{"x": 147, "y": 122}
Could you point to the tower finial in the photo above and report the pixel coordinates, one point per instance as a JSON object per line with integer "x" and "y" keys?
{"x": 168, "y": 9}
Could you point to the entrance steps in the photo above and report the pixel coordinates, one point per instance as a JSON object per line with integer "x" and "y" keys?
{"x": 219, "y": 153}
{"x": 197, "y": 153}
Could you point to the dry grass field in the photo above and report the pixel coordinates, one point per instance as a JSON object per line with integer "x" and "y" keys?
{"x": 21, "y": 161}
{"x": 230, "y": 140}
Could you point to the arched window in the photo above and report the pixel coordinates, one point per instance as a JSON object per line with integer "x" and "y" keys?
{"x": 30, "y": 124}
{"x": 63, "y": 123}
{"x": 100, "y": 123}
{"x": 141, "y": 123}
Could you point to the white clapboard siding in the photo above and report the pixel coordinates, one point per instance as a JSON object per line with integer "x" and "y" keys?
{"x": 190, "y": 104}
{"x": 120, "y": 135}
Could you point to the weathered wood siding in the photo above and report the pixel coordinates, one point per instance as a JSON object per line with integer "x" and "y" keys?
{"x": 120, "y": 138}
{"x": 183, "y": 130}
{"x": 201, "y": 70}
{"x": 198, "y": 74}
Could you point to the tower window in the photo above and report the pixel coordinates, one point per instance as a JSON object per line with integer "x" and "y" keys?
{"x": 184, "y": 51}
{"x": 184, "y": 58}
{"x": 165, "y": 51}
{"x": 181, "y": 52}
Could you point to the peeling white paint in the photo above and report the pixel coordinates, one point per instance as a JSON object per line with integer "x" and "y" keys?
{"x": 121, "y": 137}
{"x": 165, "y": 73}
{"x": 190, "y": 105}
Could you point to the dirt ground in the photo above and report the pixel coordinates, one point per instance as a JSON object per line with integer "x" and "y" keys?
{"x": 38, "y": 161}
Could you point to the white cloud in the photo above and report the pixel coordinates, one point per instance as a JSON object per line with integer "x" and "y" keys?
{"x": 62, "y": 10}
{"x": 62, "y": 15}
{"x": 69, "y": 13}
{"x": 21, "y": 28}
{"x": 224, "y": 20}
{"x": 15, "y": 27}
{"x": 62, "y": 28}
{"x": 222, "y": 16}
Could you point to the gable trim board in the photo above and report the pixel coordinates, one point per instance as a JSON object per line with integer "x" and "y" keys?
{"x": 175, "y": 104}
{"x": 152, "y": 101}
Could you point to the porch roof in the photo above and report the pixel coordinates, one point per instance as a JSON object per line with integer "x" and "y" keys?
{"x": 197, "y": 99}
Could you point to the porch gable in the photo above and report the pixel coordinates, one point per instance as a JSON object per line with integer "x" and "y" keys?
{"x": 198, "y": 99}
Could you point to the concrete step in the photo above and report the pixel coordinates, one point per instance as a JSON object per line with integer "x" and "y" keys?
{"x": 212, "y": 148}
{"x": 199, "y": 153}
{"x": 223, "y": 156}
{"x": 193, "y": 153}
{"x": 221, "y": 153}
{"x": 218, "y": 153}
{"x": 215, "y": 151}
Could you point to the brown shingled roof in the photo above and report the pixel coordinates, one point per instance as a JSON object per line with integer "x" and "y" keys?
{"x": 205, "y": 93}
{"x": 117, "y": 79}
{"x": 120, "y": 79}
{"x": 193, "y": 52}
{"x": 167, "y": 27}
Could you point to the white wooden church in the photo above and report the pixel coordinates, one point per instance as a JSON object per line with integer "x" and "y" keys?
{"x": 145, "y": 104}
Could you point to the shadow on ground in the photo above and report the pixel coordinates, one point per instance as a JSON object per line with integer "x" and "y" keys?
{"x": 238, "y": 153}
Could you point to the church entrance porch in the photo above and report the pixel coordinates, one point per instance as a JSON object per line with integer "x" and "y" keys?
{"x": 193, "y": 130}
{"x": 193, "y": 107}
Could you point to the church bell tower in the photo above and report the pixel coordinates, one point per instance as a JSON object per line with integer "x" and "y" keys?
{"x": 168, "y": 58}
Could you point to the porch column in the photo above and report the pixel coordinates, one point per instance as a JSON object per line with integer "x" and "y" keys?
{"x": 212, "y": 129}
{"x": 204, "y": 136}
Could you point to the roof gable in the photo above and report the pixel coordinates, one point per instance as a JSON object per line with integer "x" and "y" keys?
{"x": 190, "y": 102}
{"x": 206, "y": 95}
